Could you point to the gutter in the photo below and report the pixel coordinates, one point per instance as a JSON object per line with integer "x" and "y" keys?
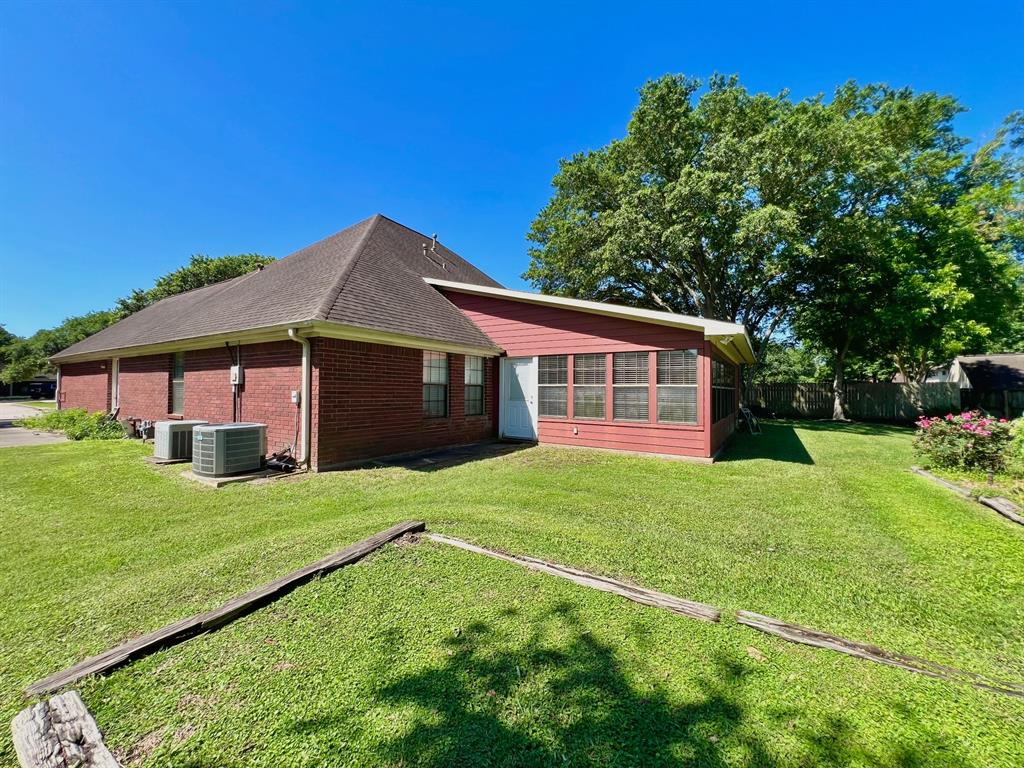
{"x": 305, "y": 394}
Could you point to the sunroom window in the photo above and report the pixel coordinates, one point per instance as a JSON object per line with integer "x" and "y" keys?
{"x": 630, "y": 392}
{"x": 553, "y": 385}
{"x": 677, "y": 386}
{"x": 589, "y": 379}
{"x": 723, "y": 390}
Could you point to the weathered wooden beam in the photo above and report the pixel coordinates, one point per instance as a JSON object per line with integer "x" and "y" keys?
{"x": 944, "y": 483}
{"x": 179, "y": 631}
{"x": 677, "y": 605}
{"x": 805, "y": 636}
{"x": 1004, "y": 507}
{"x": 60, "y": 733}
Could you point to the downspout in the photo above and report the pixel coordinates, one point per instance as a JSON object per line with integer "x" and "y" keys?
{"x": 56, "y": 396}
{"x": 304, "y": 395}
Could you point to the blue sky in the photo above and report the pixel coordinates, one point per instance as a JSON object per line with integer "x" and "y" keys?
{"x": 135, "y": 134}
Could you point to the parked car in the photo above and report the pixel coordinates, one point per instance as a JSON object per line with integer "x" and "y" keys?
{"x": 40, "y": 390}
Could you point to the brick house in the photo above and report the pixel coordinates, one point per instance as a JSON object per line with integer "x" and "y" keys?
{"x": 378, "y": 341}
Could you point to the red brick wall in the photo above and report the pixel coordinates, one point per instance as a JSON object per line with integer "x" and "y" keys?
{"x": 144, "y": 387}
{"x": 272, "y": 371}
{"x": 370, "y": 400}
{"x": 85, "y": 385}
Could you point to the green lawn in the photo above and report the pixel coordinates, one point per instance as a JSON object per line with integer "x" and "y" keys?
{"x": 425, "y": 655}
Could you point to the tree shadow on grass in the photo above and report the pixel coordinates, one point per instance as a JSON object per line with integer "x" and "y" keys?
{"x": 562, "y": 698}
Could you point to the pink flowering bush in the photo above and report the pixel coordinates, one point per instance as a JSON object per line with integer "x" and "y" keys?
{"x": 969, "y": 440}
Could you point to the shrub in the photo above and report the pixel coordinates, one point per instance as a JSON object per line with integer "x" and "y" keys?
{"x": 1015, "y": 451}
{"x": 969, "y": 440}
{"x": 77, "y": 424}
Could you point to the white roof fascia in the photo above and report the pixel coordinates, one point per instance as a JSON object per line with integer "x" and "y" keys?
{"x": 712, "y": 329}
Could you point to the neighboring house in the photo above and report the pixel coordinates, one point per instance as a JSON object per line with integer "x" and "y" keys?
{"x": 992, "y": 382}
{"x": 378, "y": 341}
{"x": 937, "y": 375}
{"x": 989, "y": 372}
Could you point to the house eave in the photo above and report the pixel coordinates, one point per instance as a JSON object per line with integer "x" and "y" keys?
{"x": 730, "y": 338}
{"x": 279, "y": 332}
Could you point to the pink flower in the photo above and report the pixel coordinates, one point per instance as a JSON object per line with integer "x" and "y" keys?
{"x": 966, "y": 415}
{"x": 1002, "y": 421}
{"x": 949, "y": 417}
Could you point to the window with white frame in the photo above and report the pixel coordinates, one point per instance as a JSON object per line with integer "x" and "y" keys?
{"x": 474, "y": 386}
{"x": 178, "y": 383}
{"x": 435, "y": 384}
{"x": 553, "y": 385}
{"x": 630, "y": 391}
{"x": 589, "y": 381}
{"x": 677, "y": 386}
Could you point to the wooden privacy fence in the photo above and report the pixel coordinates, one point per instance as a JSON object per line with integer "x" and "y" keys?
{"x": 867, "y": 400}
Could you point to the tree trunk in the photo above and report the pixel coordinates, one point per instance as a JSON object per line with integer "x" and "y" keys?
{"x": 838, "y": 382}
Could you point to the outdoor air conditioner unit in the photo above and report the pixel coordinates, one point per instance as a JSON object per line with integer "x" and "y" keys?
{"x": 228, "y": 449}
{"x": 173, "y": 439}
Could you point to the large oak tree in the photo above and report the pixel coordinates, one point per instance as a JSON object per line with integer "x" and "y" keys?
{"x": 849, "y": 220}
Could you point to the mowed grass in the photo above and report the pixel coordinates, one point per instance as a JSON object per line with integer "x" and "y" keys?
{"x": 425, "y": 655}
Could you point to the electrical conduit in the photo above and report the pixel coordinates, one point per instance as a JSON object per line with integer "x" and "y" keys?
{"x": 304, "y": 395}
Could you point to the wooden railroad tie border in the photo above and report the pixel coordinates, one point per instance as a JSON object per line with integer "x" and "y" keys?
{"x": 60, "y": 733}
{"x": 1004, "y": 507}
{"x": 790, "y": 632}
{"x": 179, "y": 631}
{"x": 794, "y": 633}
{"x": 671, "y": 603}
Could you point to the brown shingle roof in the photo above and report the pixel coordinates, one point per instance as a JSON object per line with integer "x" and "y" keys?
{"x": 988, "y": 372}
{"x": 369, "y": 275}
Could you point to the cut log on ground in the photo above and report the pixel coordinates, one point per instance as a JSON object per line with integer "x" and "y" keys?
{"x": 182, "y": 630}
{"x": 60, "y": 733}
{"x": 677, "y": 605}
{"x": 805, "y": 636}
{"x": 1004, "y": 507}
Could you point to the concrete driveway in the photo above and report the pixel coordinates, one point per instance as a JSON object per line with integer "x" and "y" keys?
{"x": 11, "y": 436}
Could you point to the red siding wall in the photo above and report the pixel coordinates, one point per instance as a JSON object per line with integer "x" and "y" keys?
{"x": 85, "y": 385}
{"x": 528, "y": 329}
{"x": 144, "y": 387}
{"x": 370, "y": 403}
{"x": 272, "y": 371}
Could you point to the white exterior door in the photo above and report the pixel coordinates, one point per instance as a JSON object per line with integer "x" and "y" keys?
{"x": 519, "y": 397}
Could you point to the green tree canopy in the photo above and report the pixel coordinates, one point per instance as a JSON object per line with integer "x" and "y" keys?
{"x": 858, "y": 224}
{"x": 200, "y": 271}
{"x": 696, "y": 210}
{"x": 24, "y": 358}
